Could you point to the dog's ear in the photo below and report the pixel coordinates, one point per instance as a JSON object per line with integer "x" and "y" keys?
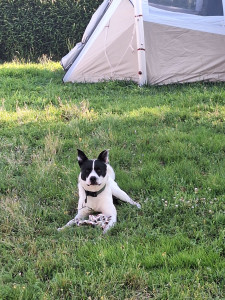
{"x": 104, "y": 156}
{"x": 81, "y": 157}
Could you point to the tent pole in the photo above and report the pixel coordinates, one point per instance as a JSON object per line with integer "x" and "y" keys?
{"x": 198, "y": 5}
{"x": 223, "y": 1}
{"x": 142, "y": 73}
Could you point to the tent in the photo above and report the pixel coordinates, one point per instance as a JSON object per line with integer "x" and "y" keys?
{"x": 151, "y": 41}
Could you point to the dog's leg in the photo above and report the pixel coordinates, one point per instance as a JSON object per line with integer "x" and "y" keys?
{"x": 120, "y": 194}
{"x": 70, "y": 223}
{"x": 111, "y": 223}
{"x": 82, "y": 214}
{"x": 112, "y": 214}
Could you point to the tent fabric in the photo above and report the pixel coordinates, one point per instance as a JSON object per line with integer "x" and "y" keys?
{"x": 108, "y": 54}
{"x": 68, "y": 59}
{"x": 95, "y": 20}
{"x": 183, "y": 47}
{"x": 178, "y": 47}
{"x": 178, "y": 62}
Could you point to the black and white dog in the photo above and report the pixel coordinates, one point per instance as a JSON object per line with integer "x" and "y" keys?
{"x": 97, "y": 186}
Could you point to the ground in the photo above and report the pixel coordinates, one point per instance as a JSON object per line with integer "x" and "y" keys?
{"x": 167, "y": 147}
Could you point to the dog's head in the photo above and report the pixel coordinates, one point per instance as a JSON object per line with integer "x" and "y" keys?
{"x": 93, "y": 171}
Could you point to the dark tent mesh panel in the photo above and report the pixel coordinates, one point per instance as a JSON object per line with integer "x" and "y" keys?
{"x": 199, "y": 7}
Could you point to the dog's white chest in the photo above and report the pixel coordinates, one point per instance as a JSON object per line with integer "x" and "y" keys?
{"x": 101, "y": 200}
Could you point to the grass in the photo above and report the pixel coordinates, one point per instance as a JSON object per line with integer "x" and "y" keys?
{"x": 167, "y": 147}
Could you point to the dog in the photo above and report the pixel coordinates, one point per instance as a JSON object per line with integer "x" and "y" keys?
{"x": 97, "y": 187}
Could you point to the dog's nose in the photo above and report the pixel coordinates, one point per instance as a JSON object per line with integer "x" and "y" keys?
{"x": 93, "y": 179}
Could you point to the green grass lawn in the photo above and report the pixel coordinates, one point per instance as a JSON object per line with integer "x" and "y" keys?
{"x": 167, "y": 146}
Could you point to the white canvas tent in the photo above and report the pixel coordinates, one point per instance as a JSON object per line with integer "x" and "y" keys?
{"x": 151, "y": 41}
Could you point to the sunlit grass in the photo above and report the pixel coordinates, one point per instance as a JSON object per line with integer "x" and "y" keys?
{"x": 50, "y": 113}
{"x": 167, "y": 147}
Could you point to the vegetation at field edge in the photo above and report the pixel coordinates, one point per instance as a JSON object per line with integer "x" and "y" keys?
{"x": 167, "y": 147}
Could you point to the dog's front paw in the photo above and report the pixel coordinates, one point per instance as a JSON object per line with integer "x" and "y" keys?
{"x": 70, "y": 223}
{"x": 77, "y": 221}
{"x": 138, "y": 205}
{"x": 106, "y": 229}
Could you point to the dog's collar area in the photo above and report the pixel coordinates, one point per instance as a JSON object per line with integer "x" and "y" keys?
{"x": 94, "y": 194}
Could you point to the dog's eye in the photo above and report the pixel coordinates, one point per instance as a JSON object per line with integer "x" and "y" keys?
{"x": 98, "y": 171}
{"x": 87, "y": 171}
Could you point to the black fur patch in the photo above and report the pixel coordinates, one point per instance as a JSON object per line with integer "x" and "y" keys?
{"x": 100, "y": 168}
{"x": 87, "y": 166}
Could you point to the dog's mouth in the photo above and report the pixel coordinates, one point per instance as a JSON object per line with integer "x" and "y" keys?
{"x": 95, "y": 183}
